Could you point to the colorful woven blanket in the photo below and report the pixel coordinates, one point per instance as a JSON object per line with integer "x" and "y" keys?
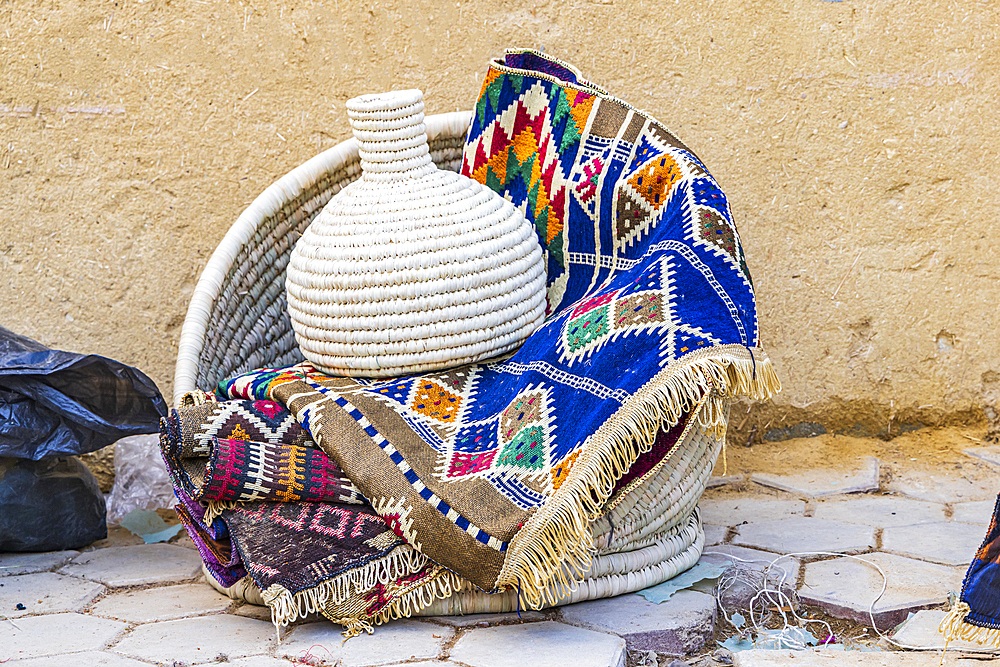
{"x": 286, "y": 515}
{"x": 976, "y": 615}
{"x": 495, "y": 470}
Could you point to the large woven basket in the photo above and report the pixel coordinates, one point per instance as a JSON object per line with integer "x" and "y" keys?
{"x": 237, "y": 321}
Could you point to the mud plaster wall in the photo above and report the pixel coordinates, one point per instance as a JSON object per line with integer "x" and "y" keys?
{"x": 856, "y": 141}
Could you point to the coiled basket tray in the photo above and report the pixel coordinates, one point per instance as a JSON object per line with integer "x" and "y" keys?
{"x": 237, "y": 321}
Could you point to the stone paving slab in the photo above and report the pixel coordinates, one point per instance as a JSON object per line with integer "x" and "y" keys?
{"x": 942, "y": 488}
{"x": 54, "y": 634}
{"x": 45, "y": 593}
{"x": 845, "y": 587}
{"x": 260, "y": 661}
{"x": 394, "y": 642}
{"x": 990, "y": 454}
{"x": 734, "y": 510}
{"x": 946, "y": 543}
{"x": 264, "y": 614}
{"x": 163, "y": 604}
{"x": 484, "y": 620}
{"x": 921, "y": 632}
{"x": 824, "y": 482}
{"x": 85, "y": 659}
{"x": 715, "y": 534}
{"x": 680, "y": 626}
{"x": 831, "y": 658}
{"x": 879, "y": 511}
{"x": 805, "y": 535}
{"x": 753, "y": 558}
{"x": 141, "y": 564}
{"x": 545, "y": 644}
{"x": 13, "y": 564}
{"x": 979, "y": 513}
{"x": 202, "y": 639}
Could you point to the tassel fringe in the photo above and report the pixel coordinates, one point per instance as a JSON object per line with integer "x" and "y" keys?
{"x": 286, "y": 607}
{"x": 953, "y": 626}
{"x": 442, "y": 584}
{"x": 214, "y": 508}
{"x": 554, "y": 548}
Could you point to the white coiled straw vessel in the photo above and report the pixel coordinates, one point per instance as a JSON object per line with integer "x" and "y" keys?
{"x": 411, "y": 268}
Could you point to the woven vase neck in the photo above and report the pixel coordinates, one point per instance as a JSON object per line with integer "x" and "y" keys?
{"x": 392, "y": 139}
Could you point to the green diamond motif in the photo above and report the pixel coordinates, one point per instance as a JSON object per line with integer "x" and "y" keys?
{"x": 587, "y": 328}
{"x": 526, "y": 450}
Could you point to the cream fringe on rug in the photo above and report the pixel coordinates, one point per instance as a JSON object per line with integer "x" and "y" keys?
{"x": 953, "y": 626}
{"x": 554, "y": 548}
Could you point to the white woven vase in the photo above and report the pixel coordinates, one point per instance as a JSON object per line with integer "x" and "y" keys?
{"x": 411, "y": 268}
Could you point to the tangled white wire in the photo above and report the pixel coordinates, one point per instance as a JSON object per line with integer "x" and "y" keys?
{"x": 783, "y": 603}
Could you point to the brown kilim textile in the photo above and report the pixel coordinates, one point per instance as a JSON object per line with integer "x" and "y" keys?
{"x": 312, "y": 544}
{"x": 339, "y": 560}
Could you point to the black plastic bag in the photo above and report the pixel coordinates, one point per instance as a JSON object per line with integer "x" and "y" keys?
{"x": 55, "y": 403}
{"x": 49, "y": 505}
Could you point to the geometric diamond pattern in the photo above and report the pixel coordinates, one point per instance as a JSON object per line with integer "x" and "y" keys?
{"x": 525, "y": 410}
{"x": 587, "y": 329}
{"x": 716, "y": 230}
{"x": 433, "y": 400}
{"x": 526, "y": 450}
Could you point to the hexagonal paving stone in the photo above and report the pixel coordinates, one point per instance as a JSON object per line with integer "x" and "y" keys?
{"x": 734, "y": 510}
{"x": 878, "y": 511}
{"x": 44, "y": 593}
{"x": 11, "y": 564}
{"x": 162, "y": 604}
{"x": 195, "y": 640}
{"x": 948, "y": 543}
{"x": 979, "y": 513}
{"x": 824, "y": 482}
{"x": 264, "y": 613}
{"x": 715, "y": 534}
{"x": 805, "y": 535}
{"x": 130, "y": 566}
{"x": 938, "y": 488}
{"x": 393, "y": 642}
{"x": 752, "y": 558}
{"x": 486, "y": 620}
{"x": 85, "y": 659}
{"x": 846, "y": 587}
{"x": 823, "y": 657}
{"x": 546, "y": 644}
{"x": 262, "y": 661}
{"x": 54, "y": 634}
{"x": 679, "y": 626}
{"x": 920, "y": 631}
